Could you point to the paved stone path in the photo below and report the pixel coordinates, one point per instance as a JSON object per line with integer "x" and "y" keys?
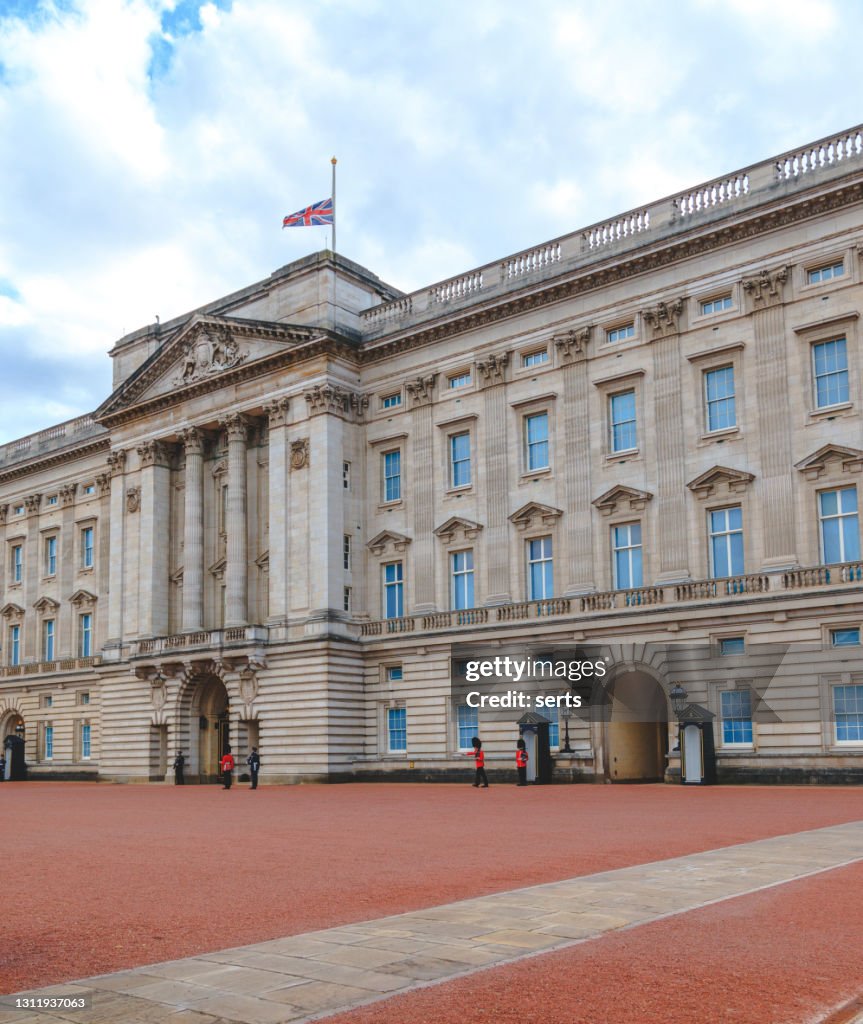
{"x": 306, "y": 977}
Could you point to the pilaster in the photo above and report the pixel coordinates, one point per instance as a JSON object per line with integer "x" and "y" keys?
{"x": 154, "y": 552}
{"x": 193, "y": 532}
{"x": 421, "y": 392}
{"x": 237, "y": 557}
{"x": 497, "y": 457}
{"x": 279, "y": 509}
{"x": 117, "y": 534}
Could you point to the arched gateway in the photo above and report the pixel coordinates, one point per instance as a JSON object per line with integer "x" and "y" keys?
{"x": 637, "y": 728}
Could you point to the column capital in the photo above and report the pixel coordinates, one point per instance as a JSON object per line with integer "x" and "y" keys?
{"x": 153, "y": 453}
{"x": 572, "y": 344}
{"x": 421, "y": 390}
{"x": 32, "y": 503}
{"x": 664, "y": 318}
{"x": 236, "y": 425}
{"x": 103, "y": 482}
{"x": 192, "y": 439}
{"x": 277, "y": 412}
{"x": 492, "y": 369}
{"x": 766, "y": 288}
{"x": 67, "y": 494}
{"x": 117, "y": 462}
{"x": 4, "y": 512}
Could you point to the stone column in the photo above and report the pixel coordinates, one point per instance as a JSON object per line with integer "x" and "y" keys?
{"x": 279, "y": 509}
{"x": 68, "y": 560}
{"x": 237, "y": 555}
{"x": 193, "y": 532}
{"x": 4, "y": 551}
{"x": 153, "y": 554}
{"x": 117, "y": 466}
{"x": 575, "y": 447}
{"x": 33, "y": 557}
{"x": 497, "y": 455}
{"x": 421, "y": 391}
{"x": 663, "y": 321}
{"x": 765, "y": 294}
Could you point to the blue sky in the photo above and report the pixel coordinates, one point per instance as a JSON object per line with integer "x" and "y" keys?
{"x": 149, "y": 149}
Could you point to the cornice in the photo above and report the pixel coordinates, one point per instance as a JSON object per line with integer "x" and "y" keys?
{"x": 55, "y": 458}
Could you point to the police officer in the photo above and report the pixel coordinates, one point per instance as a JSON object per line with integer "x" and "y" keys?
{"x": 227, "y": 767}
{"x": 254, "y": 763}
{"x": 179, "y": 765}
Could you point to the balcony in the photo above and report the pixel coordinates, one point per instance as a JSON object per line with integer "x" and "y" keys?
{"x": 207, "y": 639}
{"x": 37, "y": 668}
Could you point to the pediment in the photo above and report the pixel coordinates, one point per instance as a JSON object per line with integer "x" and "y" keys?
{"x": 695, "y": 713}
{"x": 387, "y": 539}
{"x": 83, "y": 599}
{"x": 535, "y": 511}
{"x": 11, "y": 611}
{"x": 628, "y": 498}
{"x": 735, "y": 480}
{"x": 46, "y": 604}
{"x": 202, "y": 355}
{"x": 455, "y": 525}
{"x": 850, "y": 460}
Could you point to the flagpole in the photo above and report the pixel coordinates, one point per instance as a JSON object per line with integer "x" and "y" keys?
{"x": 333, "y": 162}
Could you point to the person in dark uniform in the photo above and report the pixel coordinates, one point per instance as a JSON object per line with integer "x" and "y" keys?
{"x": 254, "y": 763}
{"x": 179, "y": 765}
{"x": 480, "y": 779}
{"x": 521, "y": 762}
{"x": 227, "y": 767}
{"x": 2, "y": 767}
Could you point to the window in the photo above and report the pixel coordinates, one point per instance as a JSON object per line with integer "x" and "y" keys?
{"x": 468, "y": 726}
{"x": 840, "y": 530}
{"x": 391, "y": 401}
{"x": 736, "y": 708}
{"x": 848, "y": 708}
{"x": 52, "y": 500}
{"x": 47, "y": 700}
{"x": 731, "y": 645}
{"x": 825, "y": 273}
{"x": 85, "y": 635}
{"x": 394, "y": 674}
{"x": 17, "y": 563}
{"x": 50, "y": 556}
{"x": 49, "y": 742}
{"x": 535, "y": 358}
{"x": 392, "y": 475}
{"x": 14, "y": 645}
{"x": 48, "y": 640}
{"x": 622, "y": 412}
{"x": 85, "y": 741}
{"x": 346, "y": 552}
{"x": 553, "y": 716}
{"x": 87, "y": 546}
{"x": 462, "y": 579}
{"x": 84, "y": 697}
{"x": 18, "y": 510}
{"x": 540, "y": 568}
{"x": 459, "y": 459}
{"x": 346, "y": 475}
{"x": 726, "y": 542}
{"x": 716, "y": 305}
{"x": 845, "y": 637}
{"x": 346, "y": 598}
{"x": 397, "y": 731}
{"x": 460, "y": 380}
{"x": 89, "y": 489}
{"x": 536, "y": 441}
{"x": 620, "y": 333}
{"x": 830, "y": 372}
{"x": 626, "y": 550}
{"x": 393, "y": 591}
{"x": 719, "y": 397}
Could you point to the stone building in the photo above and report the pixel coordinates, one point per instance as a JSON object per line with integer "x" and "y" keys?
{"x": 302, "y": 500}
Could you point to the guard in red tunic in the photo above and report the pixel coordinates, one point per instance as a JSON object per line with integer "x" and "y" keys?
{"x": 227, "y": 767}
{"x": 480, "y": 779}
{"x": 521, "y": 762}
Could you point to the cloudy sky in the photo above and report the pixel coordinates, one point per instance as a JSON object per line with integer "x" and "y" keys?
{"x": 149, "y": 148}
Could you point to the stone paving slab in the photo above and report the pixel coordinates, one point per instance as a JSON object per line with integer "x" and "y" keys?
{"x": 306, "y": 977}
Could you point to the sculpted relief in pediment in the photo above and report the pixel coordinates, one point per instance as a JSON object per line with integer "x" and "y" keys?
{"x": 210, "y": 351}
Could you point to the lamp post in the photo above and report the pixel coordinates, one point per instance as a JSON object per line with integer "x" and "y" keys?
{"x": 566, "y": 714}
{"x": 678, "y": 697}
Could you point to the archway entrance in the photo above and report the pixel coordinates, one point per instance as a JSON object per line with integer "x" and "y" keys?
{"x": 210, "y": 711}
{"x": 637, "y": 729}
{"x": 11, "y": 724}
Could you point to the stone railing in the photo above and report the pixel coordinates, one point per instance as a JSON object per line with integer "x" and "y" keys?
{"x": 615, "y": 230}
{"x": 457, "y": 288}
{"x": 34, "y": 668}
{"x": 541, "y": 258}
{"x": 817, "y": 155}
{"x": 207, "y": 638}
{"x": 823, "y": 576}
{"x": 34, "y": 445}
{"x": 396, "y": 309}
{"x": 713, "y": 194}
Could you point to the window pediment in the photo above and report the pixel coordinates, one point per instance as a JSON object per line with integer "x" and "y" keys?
{"x": 534, "y": 511}
{"x": 850, "y": 459}
{"x": 83, "y": 599}
{"x": 621, "y": 495}
{"x": 388, "y": 540}
{"x": 11, "y": 611}
{"x": 455, "y": 525}
{"x": 46, "y": 604}
{"x": 735, "y": 480}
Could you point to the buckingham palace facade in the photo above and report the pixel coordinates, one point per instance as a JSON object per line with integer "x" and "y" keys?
{"x": 303, "y": 500}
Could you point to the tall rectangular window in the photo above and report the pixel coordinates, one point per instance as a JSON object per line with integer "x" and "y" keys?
{"x": 14, "y": 645}
{"x": 49, "y": 742}
{"x": 85, "y": 741}
{"x": 830, "y": 372}
{"x": 459, "y": 459}
{"x": 540, "y": 569}
{"x": 17, "y": 563}
{"x": 50, "y": 556}
{"x": 848, "y": 708}
{"x": 726, "y": 542}
{"x": 468, "y": 726}
{"x": 840, "y": 528}
{"x": 624, "y": 436}
{"x": 346, "y": 475}
{"x": 462, "y": 579}
{"x": 87, "y": 547}
{"x": 392, "y": 462}
{"x": 719, "y": 398}
{"x": 536, "y": 441}
{"x": 85, "y": 635}
{"x": 394, "y": 606}
{"x": 346, "y": 598}
{"x": 397, "y": 729}
{"x": 346, "y": 552}
{"x": 627, "y": 554}
{"x": 736, "y": 708}
{"x": 48, "y": 640}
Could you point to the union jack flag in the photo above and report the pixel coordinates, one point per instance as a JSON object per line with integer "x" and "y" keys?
{"x": 317, "y": 213}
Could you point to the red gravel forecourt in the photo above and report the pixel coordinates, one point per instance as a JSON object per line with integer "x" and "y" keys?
{"x": 104, "y": 877}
